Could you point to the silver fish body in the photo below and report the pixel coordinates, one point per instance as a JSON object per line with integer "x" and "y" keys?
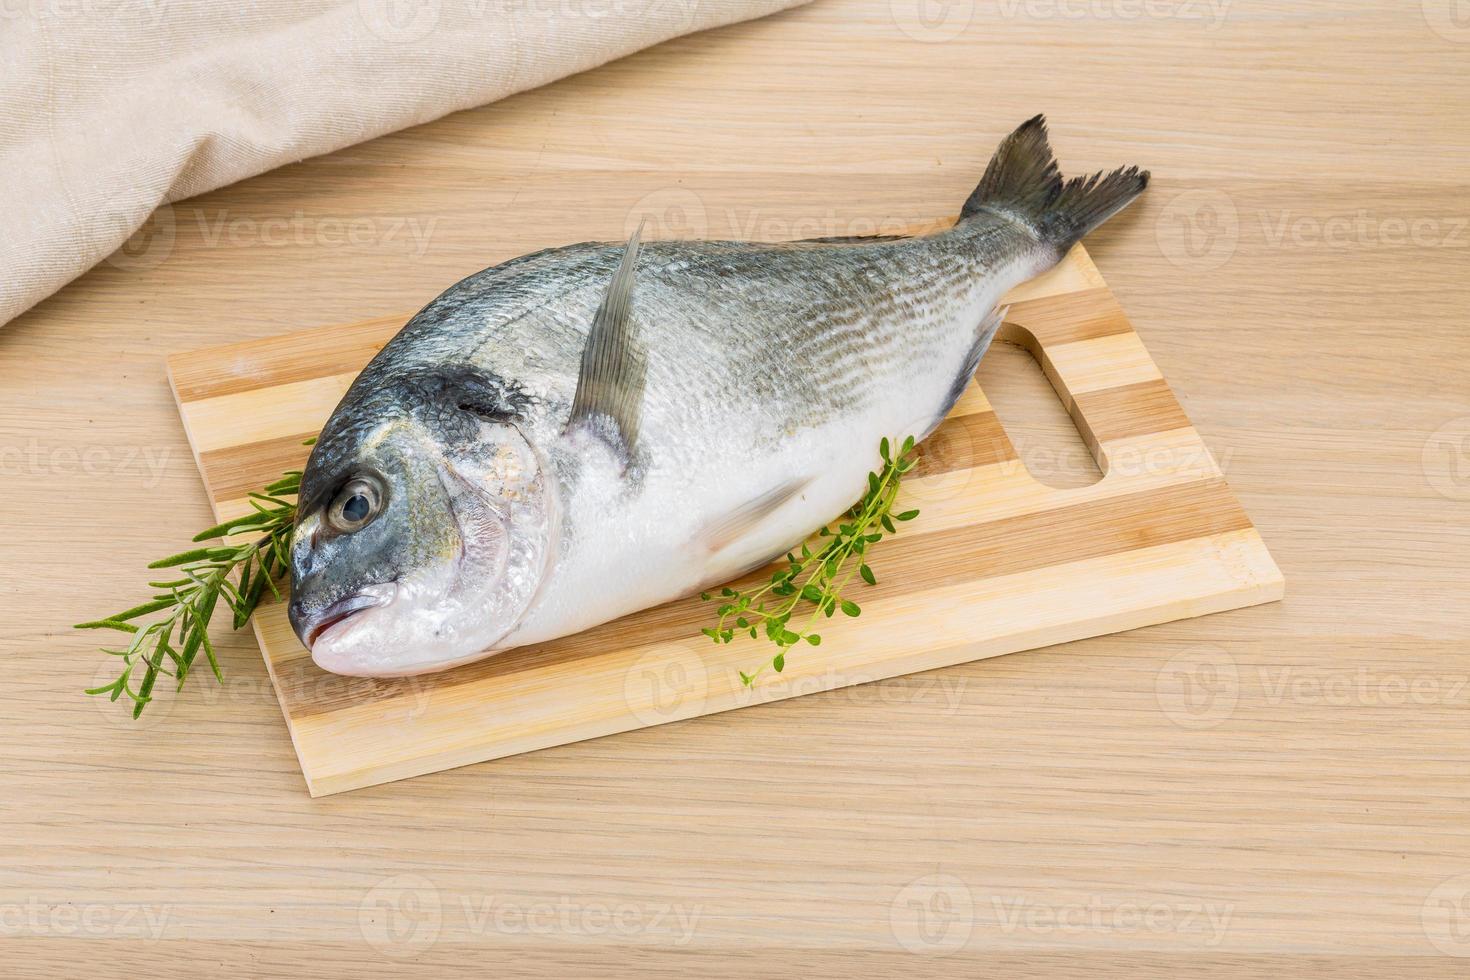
{"x": 539, "y": 451}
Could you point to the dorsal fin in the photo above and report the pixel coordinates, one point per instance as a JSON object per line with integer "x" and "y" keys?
{"x": 610, "y": 385}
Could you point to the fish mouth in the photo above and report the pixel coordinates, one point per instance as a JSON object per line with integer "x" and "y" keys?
{"x": 340, "y": 612}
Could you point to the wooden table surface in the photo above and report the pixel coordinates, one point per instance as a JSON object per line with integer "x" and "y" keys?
{"x": 1281, "y": 790}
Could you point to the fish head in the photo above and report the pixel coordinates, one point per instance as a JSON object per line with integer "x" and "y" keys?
{"x": 424, "y": 529}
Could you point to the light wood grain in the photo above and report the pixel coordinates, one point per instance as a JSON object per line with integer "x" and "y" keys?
{"x": 1324, "y": 804}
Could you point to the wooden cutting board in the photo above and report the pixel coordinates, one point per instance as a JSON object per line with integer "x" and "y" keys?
{"x": 997, "y": 562}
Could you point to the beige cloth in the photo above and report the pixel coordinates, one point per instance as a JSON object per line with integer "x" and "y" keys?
{"x": 109, "y": 108}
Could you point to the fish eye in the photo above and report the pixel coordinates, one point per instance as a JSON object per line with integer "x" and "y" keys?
{"x": 356, "y": 504}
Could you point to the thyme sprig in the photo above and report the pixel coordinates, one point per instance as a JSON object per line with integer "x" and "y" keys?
{"x": 238, "y": 573}
{"x": 817, "y": 576}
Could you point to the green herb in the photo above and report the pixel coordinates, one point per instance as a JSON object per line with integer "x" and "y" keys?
{"x": 817, "y": 576}
{"x": 170, "y": 644}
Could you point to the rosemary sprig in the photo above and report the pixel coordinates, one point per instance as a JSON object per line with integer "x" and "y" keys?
{"x": 170, "y": 644}
{"x": 817, "y": 576}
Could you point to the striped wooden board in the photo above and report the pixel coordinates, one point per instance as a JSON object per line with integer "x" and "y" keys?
{"x": 997, "y": 562}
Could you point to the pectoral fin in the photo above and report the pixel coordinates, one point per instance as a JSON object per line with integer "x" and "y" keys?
{"x": 610, "y": 385}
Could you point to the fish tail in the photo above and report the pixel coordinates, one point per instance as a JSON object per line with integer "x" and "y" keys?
{"x": 1023, "y": 181}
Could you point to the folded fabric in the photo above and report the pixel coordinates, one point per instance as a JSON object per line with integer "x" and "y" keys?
{"x": 113, "y": 107}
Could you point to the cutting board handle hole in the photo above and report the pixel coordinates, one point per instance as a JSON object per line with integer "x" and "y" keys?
{"x": 1034, "y": 413}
